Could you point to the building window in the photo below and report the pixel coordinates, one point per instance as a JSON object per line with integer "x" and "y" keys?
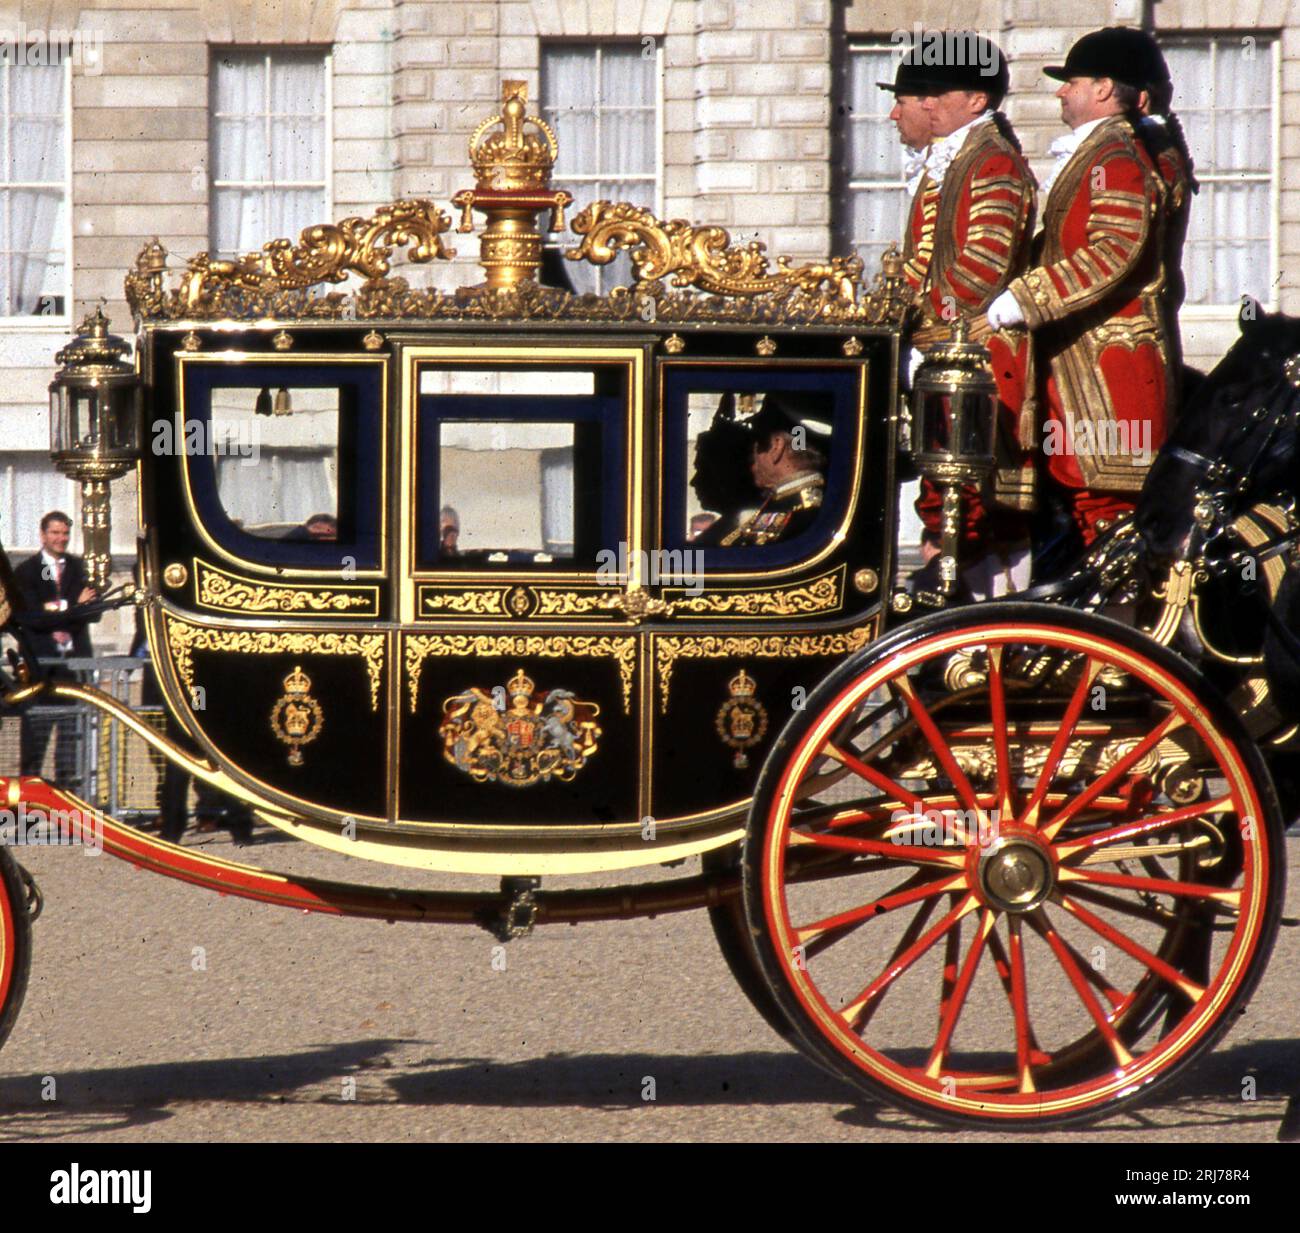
{"x": 270, "y": 146}
{"x": 602, "y": 99}
{"x": 33, "y": 190}
{"x": 1225, "y": 94}
{"x": 872, "y": 208}
{"x": 29, "y": 488}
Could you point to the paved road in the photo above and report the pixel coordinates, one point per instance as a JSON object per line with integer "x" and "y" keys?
{"x": 288, "y": 1015}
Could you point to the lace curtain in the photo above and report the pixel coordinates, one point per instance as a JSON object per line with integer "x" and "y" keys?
{"x": 33, "y": 274}
{"x": 268, "y": 147}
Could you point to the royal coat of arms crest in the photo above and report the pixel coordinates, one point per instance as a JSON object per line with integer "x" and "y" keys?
{"x": 517, "y": 736}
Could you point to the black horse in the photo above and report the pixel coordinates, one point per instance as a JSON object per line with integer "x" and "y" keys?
{"x": 1236, "y": 436}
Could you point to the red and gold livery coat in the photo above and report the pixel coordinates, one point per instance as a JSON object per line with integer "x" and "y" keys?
{"x": 1101, "y": 355}
{"x": 966, "y": 239}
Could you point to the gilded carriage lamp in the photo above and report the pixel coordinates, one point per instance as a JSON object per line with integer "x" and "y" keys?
{"x": 954, "y": 418}
{"x": 513, "y": 170}
{"x": 95, "y": 429}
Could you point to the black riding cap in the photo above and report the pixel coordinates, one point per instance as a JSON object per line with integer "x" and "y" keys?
{"x": 943, "y": 60}
{"x": 1119, "y": 52}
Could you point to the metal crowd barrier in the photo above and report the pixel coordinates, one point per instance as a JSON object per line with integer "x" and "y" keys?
{"x": 91, "y": 754}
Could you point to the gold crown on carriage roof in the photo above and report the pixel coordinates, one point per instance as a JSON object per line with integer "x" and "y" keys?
{"x": 297, "y": 682}
{"x": 520, "y": 686}
{"x": 513, "y": 159}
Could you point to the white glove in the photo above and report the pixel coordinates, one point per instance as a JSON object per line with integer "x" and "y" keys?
{"x": 914, "y": 359}
{"x": 1005, "y": 311}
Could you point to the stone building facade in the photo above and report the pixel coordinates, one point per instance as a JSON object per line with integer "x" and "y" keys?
{"x": 743, "y": 116}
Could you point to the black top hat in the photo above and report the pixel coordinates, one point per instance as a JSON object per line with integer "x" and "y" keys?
{"x": 942, "y": 60}
{"x": 1119, "y": 52}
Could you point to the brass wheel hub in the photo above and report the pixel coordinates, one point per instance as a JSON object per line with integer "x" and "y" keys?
{"x": 1015, "y": 873}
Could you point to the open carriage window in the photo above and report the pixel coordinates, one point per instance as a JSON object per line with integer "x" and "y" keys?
{"x": 519, "y": 468}
{"x": 283, "y": 460}
{"x": 760, "y": 461}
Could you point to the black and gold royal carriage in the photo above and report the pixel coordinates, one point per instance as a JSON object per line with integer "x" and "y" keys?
{"x": 524, "y": 583}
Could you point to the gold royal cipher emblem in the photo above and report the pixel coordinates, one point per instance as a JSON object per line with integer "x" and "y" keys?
{"x": 296, "y": 718}
{"x": 517, "y": 736}
{"x": 742, "y": 719}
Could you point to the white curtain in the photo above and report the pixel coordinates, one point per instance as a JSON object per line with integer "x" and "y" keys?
{"x": 285, "y": 488}
{"x": 268, "y": 132}
{"x": 34, "y": 156}
{"x": 557, "y": 501}
{"x": 1224, "y": 98}
{"x": 877, "y": 201}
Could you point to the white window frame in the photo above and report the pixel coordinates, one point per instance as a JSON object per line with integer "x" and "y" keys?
{"x": 51, "y": 321}
{"x": 273, "y": 185}
{"x": 844, "y": 238}
{"x": 599, "y": 106}
{"x": 1214, "y": 39}
{"x": 603, "y": 273}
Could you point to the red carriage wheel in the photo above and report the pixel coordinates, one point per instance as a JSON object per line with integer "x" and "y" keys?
{"x": 15, "y": 942}
{"x": 1022, "y": 926}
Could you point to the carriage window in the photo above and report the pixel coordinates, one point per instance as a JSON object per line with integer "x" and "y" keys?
{"x": 285, "y": 460}
{"x": 507, "y": 489}
{"x": 521, "y": 466}
{"x": 288, "y": 439}
{"x": 757, "y": 462}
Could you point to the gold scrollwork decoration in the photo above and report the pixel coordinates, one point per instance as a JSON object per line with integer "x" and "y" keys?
{"x": 183, "y": 639}
{"x": 669, "y": 649}
{"x": 571, "y": 603}
{"x": 420, "y": 647}
{"x": 703, "y": 257}
{"x": 820, "y": 595}
{"x": 325, "y": 253}
{"x": 463, "y": 603}
{"x": 228, "y": 593}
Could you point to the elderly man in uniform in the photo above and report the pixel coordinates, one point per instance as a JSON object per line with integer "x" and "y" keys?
{"x": 1100, "y": 352}
{"x": 790, "y": 436}
{"x": 968, "y": 233}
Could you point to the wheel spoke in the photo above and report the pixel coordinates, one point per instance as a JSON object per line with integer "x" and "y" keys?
{"x": 874, "y": 777}
{"x": 957, "y": 1002}
{"x": 1097, "y": 787}
{"x": 1001, "y": 745}
{"x": 1134, "y": 949}
{"x": 907, "y": 853}
{"x": 900, "y": 897}
{"x": 941, "y": 751}
{"x": 896, "y": 967}
{"x": 1062, "y": 950}
{"x": 1063, "y": 735}
{"x": 1158, "y": 886}
{"x": 1142, "y": 826}
{"x": 951, "y": 960}
{"x": 1025, "y": 1042}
